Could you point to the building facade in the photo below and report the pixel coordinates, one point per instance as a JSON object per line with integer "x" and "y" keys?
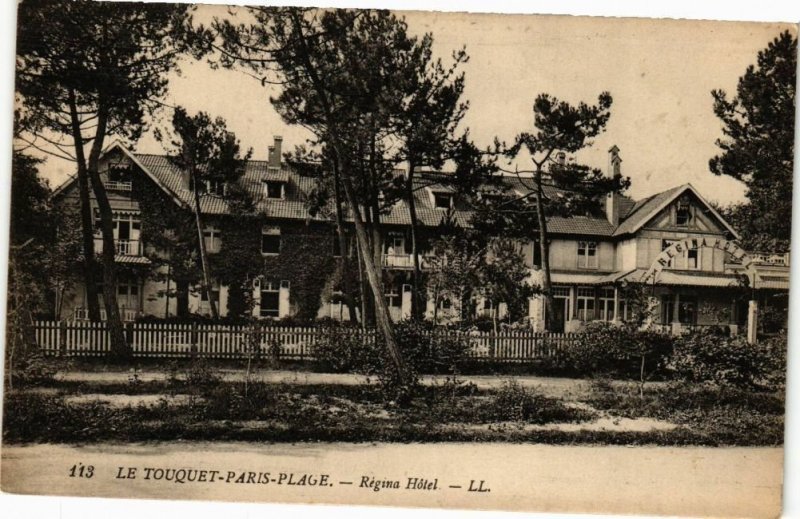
{"x": 675, "y": 242}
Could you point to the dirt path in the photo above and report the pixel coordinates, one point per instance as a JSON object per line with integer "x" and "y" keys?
{"x": 551, "y": 386}
{"x": 731, "y": 482}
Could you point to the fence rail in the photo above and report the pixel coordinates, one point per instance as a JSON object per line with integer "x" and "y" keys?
{"x": 162, "y": 340}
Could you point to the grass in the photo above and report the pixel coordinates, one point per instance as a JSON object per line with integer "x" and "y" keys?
{"x": 213, "y": 409}
{"x": 720, "y": 414}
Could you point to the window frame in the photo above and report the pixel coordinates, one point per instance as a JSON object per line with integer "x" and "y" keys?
{"x": 438, "y": 196}
{"x": 269, "y": 287}
{"x": 273, "y": 232}
{"x": 584, "y": 246}
{"x": 272, "y": 184}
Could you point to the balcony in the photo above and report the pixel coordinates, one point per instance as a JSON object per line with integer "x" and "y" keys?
{"x": 118, "y": 185}
{"x": 403, "y": 261}
{"x": 127, "y": 314}
{"x": 123, "y": 247}
{"x": 778, "y": 260}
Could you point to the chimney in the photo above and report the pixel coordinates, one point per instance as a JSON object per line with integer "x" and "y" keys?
{"x": 561, "y": 158}
{"x": 614, "y": 162}
{"x": 613, "y": 199}
{"x": 275, "y": 152}
{"x": 270, "y": 153}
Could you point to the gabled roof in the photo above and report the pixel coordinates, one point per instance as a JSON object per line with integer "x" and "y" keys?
{"x": 645, "y": 210}
{"x": 159, "y": 168}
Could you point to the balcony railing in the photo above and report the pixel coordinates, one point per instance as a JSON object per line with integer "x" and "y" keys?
{"x": 123, "y": 247}
{"x": 403, "y": 261}
{"x": 118, "y": 185}
{"x": 127, "y": 314}
{"x": 763, "y": 258}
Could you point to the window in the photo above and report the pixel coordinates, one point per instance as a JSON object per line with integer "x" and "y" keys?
{"x": 216, "y": 187}
{"x": 442, "y": 200}
{"x": 665, "y": 244}
{"x": 270, "y": 299}
{"x": 395, "y": 245}
{"x": 270, "y": 241}
{"x": 393, "y": 298}
{"x": 687, "y": 310}
{"x": 585, "y": 304}
{"x": 690, "y": 259}
{"x": 119, "y": 173}
{"x": 536, "y": 253}
{"x": 587, "y": 254}
{"x": 127, "y": 287}
{"x": 693, "y": 259}
{"x": 683, "y": 214}
{"x": 445, "y": 303}
{"x": 606, "y": 301}
{"x": 211, "y": 237}
{"x": 273, "y": 189}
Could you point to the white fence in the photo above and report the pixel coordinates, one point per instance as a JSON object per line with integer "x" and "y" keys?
{"x": 163, "y": 340}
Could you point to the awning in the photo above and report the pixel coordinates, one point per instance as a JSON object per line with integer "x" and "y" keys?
{"x": 585, "y": 278}
{"x": 132, "y": 260}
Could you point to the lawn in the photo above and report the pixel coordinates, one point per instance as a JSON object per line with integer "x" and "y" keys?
{"x": 197, "y": 403}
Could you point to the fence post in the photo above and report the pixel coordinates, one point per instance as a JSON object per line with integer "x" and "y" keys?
{"x": 193, "y": 339}
{"x": 62, "y": 338}
{"x": 129, "y": 335}
{"x": 492, "y": 345}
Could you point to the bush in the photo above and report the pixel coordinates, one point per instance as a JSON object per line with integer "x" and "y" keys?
{"x": 342, "y": 348}
{"x": 774, "y": 350}
{"x": 607, "y": 349}
{"x": 199, "y": 375}
{"x": 30, "y": 369}
{"x": 708, "y": 357}
{"x": 513, "y": 402}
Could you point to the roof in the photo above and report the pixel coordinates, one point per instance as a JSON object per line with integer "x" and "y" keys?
{"x": 634, "y": 214}
{"x": 645, "y": 210}
{"x": 686, "y": 278}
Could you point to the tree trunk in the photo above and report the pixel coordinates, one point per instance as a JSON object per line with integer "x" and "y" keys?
{"x": 544, "y": 247}
{"x": 120, "y": 350}
{"x": 381, "y": 310}
{"x": 87, "y": 222}
{"x": 416, "y": 299}
{"x": 344, "y": 251}
{"x": 201, "y": 245}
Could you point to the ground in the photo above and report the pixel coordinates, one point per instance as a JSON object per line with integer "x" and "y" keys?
{"x": 203, "y": 402}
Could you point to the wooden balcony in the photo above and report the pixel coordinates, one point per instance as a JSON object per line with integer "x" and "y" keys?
{"x": 123, "y": 247}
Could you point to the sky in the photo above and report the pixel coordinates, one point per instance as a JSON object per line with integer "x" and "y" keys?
{"x": 660, "y": 74}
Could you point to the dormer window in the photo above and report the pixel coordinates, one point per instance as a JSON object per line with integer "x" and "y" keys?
{"x": 443, "y": 200}
{"x": 216, "y": 187}
{"x": 273, "y": 189}
{"x": 683, "y": 214}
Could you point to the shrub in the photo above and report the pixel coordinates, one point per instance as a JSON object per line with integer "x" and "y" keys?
{"x": 774, "y": 349}
{"x": 201, "y": 376}
{"x": 342, "y": 348}
{"x": 30, "y": 369}
{"x": 513, "y": 402}
{"x": 607, "y": 349}
{"x": 709, "y": 357}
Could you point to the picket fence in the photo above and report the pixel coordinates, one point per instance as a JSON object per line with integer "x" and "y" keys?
{"x": 167, "y": 340}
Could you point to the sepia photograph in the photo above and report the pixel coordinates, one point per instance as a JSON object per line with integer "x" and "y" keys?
{"x": 415, "y": 259}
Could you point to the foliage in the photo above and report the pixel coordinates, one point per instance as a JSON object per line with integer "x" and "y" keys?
{"x": 342, "y": 348}
{"x": 98, "y": 70}
{"x": 618, "y": 350}
{"x": 559, "y": 128}
{"x": 513, "y": 402}
{"x": 758, "y": 145}
{"x": 720, "y": 414}
{"x": 710, "y": 357}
